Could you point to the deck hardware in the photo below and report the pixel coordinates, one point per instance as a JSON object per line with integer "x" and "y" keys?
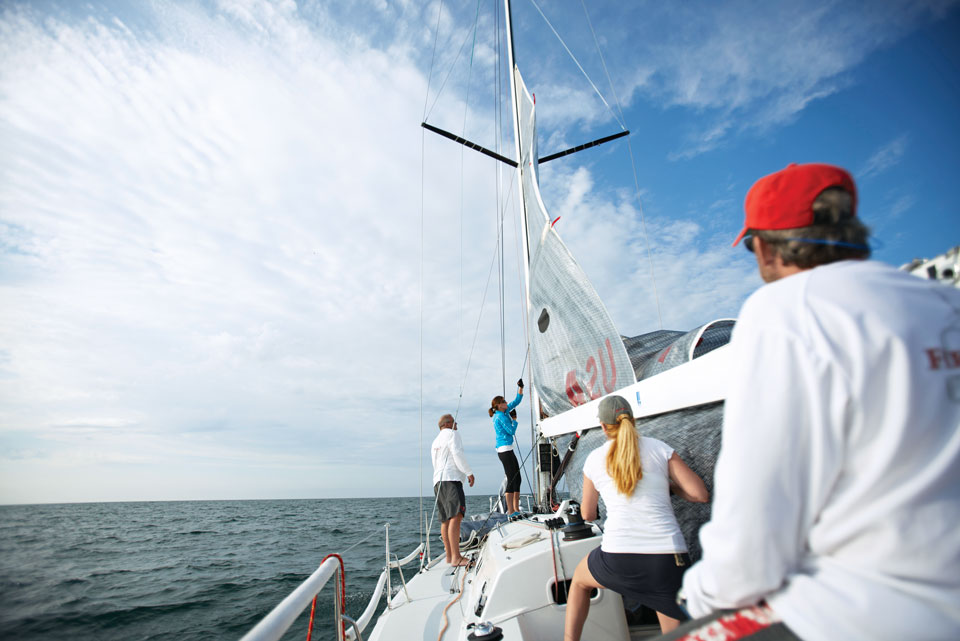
{"x": 576, "y": 529}
{"x": 358, "y": 635}
{"x": 485, "y": 631}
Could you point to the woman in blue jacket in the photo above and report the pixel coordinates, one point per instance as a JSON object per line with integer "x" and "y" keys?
{"x": 505, "y": 427}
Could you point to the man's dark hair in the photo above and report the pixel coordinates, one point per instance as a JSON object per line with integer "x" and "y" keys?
{"x": 834, "y": 222}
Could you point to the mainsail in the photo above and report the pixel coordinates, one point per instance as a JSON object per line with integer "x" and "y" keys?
{"x": 577, "y": 354}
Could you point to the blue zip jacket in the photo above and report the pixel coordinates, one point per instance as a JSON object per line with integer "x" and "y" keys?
{"x": 504, "y": 426}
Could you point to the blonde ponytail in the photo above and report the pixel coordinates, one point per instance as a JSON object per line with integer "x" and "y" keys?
{"x": 623, "y": 457}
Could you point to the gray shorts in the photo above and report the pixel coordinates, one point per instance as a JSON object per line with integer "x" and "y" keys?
{"x": 450, "y": 499}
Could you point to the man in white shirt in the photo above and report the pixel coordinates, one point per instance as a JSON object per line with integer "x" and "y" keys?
{"x": 836, "y": 508}
{"x": 449, "y": 469}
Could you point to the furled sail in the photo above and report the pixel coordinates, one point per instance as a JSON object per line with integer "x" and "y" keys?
{"x": 576, "y": 352}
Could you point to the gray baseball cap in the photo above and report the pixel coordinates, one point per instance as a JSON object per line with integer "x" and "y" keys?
{"x": 611, "y": 407}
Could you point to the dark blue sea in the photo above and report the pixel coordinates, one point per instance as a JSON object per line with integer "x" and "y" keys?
{"x": 189, "y": 570}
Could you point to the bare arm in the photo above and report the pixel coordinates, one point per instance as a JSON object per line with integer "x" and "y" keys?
{"x": 589, "y": 500}
{"x": 685, "y": 482}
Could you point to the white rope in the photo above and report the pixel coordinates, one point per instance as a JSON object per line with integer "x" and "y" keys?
{"x": 646, "y": 238}
{"x": 445, "y": 78}
{"x": 483, "y": 301}
{"x": 636, "y": 183}
{"x": 433, "y": 57}
{"x": 579, "y": 66}
{"x": 603, "y": 62}
{"x": 463, "y": 133}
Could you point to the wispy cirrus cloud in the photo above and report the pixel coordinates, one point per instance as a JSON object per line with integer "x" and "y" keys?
{"x": 746, "y": 67}
{"x": 886, "y": 157}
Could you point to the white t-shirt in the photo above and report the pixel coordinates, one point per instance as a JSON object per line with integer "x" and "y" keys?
{"x": 449, "y": 463}
{"x": 642, "y": 523}
{"x": 837, "y": 489}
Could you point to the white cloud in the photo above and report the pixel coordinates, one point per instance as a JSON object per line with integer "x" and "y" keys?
{"x": 698, "y": 277}
{"x": 210, "y": 229}
{"x": 740, "y": 67}
{"x": 884, "y": 158}
{"x": 201, "y": 234}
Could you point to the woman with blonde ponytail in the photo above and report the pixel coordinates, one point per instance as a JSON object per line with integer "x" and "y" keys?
{"x": 643, "y": 555}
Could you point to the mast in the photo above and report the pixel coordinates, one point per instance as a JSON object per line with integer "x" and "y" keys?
{"x": 542, "y": 483}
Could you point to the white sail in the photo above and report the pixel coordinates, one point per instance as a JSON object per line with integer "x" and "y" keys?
{"x": 577, "y": 354}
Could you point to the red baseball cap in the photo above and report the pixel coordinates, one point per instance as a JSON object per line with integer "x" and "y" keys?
{"x": 784, "y": 200}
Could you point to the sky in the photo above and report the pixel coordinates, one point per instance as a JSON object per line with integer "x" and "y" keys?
{"x": 234, "y": 266}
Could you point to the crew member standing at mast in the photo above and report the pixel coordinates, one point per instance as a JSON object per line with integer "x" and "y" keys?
{"x": 505, "y": 427}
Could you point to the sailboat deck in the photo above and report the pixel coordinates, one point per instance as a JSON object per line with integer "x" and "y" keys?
{"x": 509, "y": 584}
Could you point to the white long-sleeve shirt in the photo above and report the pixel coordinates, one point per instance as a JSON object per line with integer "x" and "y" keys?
{"x": 837, "y": 488}
{"x": 449, "y": 463}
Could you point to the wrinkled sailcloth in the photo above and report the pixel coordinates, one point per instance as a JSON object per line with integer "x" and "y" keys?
{"x": 578, "y": 355}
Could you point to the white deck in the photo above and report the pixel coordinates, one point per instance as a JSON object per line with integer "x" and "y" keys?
{"x": 513, "y": 574}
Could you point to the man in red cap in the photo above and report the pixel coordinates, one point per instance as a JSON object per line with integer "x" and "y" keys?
{"x": 836, "y": 508}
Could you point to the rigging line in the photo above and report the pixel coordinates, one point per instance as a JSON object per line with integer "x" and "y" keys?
{"x": 500, "y": 217}
{"x": 633, "y": 165}
{"x": 603, "y": 62}
{"x": 525, "y": 323}
{"x": 466, "y": 104}
{"x": 436, "y": 501}
{"x": 646, "y": 237}
{"x": 476, "y": 332}
{"x": 423, "y": 154}
{"x": 579, "y": 66}
{"x": 433, "y": 57}
{"x": 363, "y": 540}
{"x": 523, "y": 464}
{"x": 522, "y": 288}
{"x": 445, "y": 78}
{"x": 503, "y": 333}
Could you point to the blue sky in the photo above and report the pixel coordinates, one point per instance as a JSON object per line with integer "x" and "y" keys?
{"x": 210, "y": 214}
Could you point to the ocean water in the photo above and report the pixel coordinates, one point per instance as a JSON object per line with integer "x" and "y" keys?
{"x": 190, "y": 570}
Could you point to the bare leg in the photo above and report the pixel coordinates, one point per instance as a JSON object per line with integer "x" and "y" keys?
{"x": 513, "y": 502}
{"x": 445, "y": 535}
{"x": 578, "y": 601}
{"x": 453, "y": 536}
{"x": 667, "y": 624}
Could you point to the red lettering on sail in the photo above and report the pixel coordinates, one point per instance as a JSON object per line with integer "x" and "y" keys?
{"x": 593, "y": 390}
{"x": 612, "y": 384}
{"x": 947, "y": 359}
{"x": 574, "y": 391}
{"x": 592, "y": 385}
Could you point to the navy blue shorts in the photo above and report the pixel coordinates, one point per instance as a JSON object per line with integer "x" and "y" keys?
{"x": 650, "y": 579}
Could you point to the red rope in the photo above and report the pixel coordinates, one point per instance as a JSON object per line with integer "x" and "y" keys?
{"x": 313, "y": 608}
{"x": 343, "y": 597}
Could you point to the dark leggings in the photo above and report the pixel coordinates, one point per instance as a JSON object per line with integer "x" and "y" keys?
{"x": 512, "y": 469}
